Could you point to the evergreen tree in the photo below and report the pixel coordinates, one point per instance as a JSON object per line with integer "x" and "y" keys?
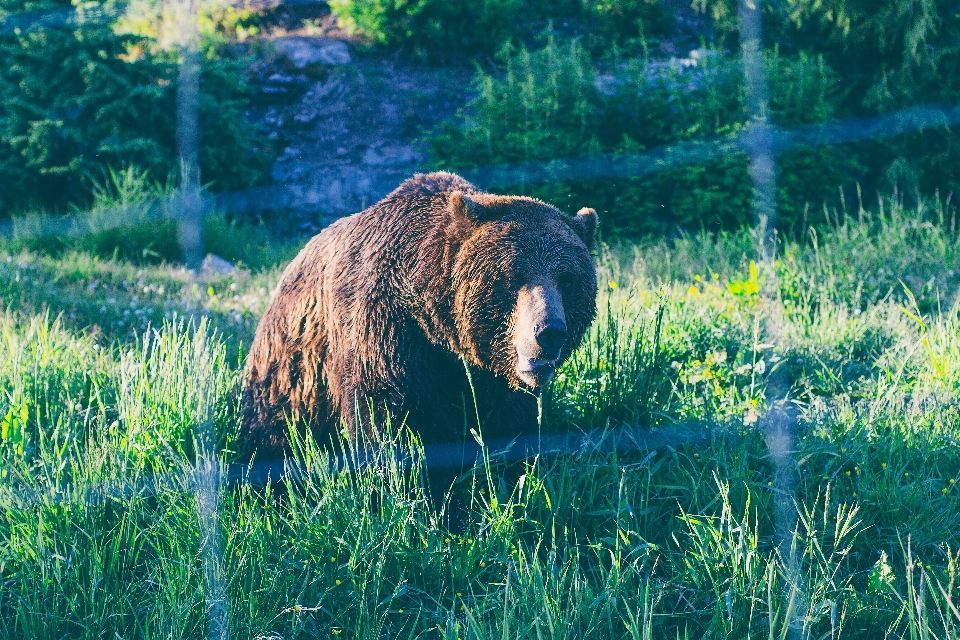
{"x": 79, "y": 97}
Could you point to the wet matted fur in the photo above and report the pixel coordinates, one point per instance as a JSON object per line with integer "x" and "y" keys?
{"x": 382, "y": 309}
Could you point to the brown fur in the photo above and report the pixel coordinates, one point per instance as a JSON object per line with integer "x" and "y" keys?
{"x": 385, "y": 305}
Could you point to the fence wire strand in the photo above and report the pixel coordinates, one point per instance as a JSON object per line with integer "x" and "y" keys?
{"x": 190, "y": 237}
{"x": 780, "y": 421}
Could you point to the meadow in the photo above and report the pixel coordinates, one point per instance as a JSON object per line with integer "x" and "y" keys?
{"x": 761, "y": 450}
{"x": 118, "y": 410}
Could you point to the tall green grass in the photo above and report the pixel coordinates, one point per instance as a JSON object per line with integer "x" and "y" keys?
{"x": 117, "y": 519}
{"x": 133, "y": 217}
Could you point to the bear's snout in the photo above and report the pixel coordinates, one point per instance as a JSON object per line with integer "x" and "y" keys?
{"x": 551, "y": 338}
{"x": 540, "y": 332}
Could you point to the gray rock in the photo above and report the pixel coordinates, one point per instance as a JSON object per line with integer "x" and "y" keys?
{"x": 606, "y": 84}
{"x": 284, "y": 79}
{"x": 214, "y": 265}
{"x": 391, "y": 155}
{"x": 303, "y": 52}
{"x": 306, "y": 116}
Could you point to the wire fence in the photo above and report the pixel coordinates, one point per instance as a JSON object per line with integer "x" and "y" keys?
{"x": 780, "y": 421}
{"x": 193, "y": 202}
{"x": 761, "y": 141}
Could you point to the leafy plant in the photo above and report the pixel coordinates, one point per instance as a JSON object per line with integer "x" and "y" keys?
{"x": 554, "y": 105}
{"x": 436, "y": 28}
{"x": 890, "y": 54}
{"x": 748, "y": 287}
{"x": 83, "y": 97}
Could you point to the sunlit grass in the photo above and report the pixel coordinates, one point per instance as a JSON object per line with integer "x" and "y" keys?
{"x": 102, "y": 436}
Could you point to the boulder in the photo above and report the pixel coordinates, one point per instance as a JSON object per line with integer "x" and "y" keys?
{"x": 303, "y": 52}
{"x": 214, "y": 265}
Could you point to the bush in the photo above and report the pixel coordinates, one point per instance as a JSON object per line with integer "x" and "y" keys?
{"x": 553, "y": 104}
{"x": 81, "y": 98}
{"x": 427, "y": 24}
{"x": 437, "y": 27}
{"x": 834, "y": 60}
{"x": 889, "y": 55}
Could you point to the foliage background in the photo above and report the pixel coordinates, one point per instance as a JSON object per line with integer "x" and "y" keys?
{"x": 558, "y": 99}
{"x": 438, "y": 29}
{"x": 88, "y": 96}
{"x": 554, "y": 81}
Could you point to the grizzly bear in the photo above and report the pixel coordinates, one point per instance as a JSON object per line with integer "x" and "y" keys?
{"x": 438, "y": 294}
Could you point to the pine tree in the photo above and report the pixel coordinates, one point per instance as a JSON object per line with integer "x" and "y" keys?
{"x": 77, "y": 97}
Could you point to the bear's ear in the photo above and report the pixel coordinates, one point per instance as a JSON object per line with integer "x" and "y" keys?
{"x": 471, "y": 209}
{"x": 584, "y": 224}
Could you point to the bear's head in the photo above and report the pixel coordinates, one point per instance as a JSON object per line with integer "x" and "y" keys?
{"x": 524, "y": 284}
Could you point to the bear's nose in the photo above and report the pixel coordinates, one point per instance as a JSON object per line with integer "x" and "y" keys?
{"x": 551, "y": 338}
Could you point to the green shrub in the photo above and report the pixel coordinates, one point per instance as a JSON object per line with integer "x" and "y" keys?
{"x": 435, "y": 27}
{"x": 835, "y": 60}
{"x": 554, "y": 104}
{"x": 889, "y": 55}
{"x": 427, "y": 24}
{"x": 81, "y": 98}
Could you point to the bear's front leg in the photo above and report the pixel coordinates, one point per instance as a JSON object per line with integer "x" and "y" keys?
{"x": 369, "y": 411}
